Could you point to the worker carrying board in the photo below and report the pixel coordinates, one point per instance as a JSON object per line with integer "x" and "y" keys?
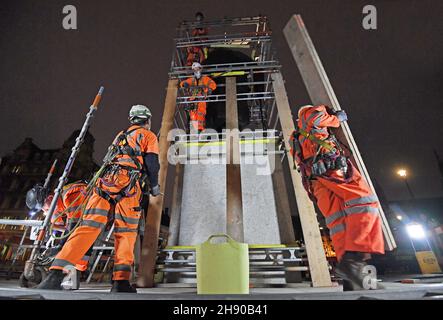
{"x": 132, "y": 157}
{"x": 350, "y": 208}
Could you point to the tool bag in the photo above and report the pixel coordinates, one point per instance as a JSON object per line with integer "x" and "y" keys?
{"x": 222, "y": 268}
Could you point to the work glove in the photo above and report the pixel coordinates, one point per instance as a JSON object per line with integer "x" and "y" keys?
{"x": 341, "y": 115}
{"x": 155, "y": 190}
{"x": 319, "y": 168}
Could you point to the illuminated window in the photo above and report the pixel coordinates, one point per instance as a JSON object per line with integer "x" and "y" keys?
{"x": 16, "y": 169}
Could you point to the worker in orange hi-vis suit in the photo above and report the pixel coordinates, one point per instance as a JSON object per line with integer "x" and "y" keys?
{"x": 350, "y": 207}
{"x": 200, "y": 87}
{"x": 67, "y": 213}
{"x": 116, "y": 197}
{"x": 197, "y": 53}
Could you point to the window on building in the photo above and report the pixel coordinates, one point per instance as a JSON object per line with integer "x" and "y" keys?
{"x": 17, "y": 169}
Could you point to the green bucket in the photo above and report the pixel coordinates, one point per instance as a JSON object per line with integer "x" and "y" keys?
{"x": 222, "y": 268}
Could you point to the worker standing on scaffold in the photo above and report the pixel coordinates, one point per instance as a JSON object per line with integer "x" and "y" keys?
{"x": 350, "y": 207}
{"x": 199, "y": 87}
{"x": 115, "y": 199}
{"x": 197, "y": 53}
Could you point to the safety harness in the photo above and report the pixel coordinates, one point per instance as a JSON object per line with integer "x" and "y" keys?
{"x": 319, "y": 164}
{"x": 118, "y": 148}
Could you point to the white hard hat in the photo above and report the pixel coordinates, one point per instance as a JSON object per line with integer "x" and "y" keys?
{"x": 303, "y": 108}
{"x": 196, "y": 65}
{"x": 139, "y": 111}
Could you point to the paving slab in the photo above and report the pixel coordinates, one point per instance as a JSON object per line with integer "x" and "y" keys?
{"x": 394, "y": 291}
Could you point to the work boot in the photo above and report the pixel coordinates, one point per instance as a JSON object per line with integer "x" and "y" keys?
{"x": 122, "y": 286}
{"x": 351, "y": 269}
{"x": 52, "y": 281}
{"x": 72, "y": 280}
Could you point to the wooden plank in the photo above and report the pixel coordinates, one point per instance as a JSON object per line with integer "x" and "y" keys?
{"x": 152, "y": 229}
{"x": 318, "y": 264}
{"x": 234, "y": 204}
{"x": 174, "y": 222}
{"x": 283, "y": 208}
{"x": 321, "y": 92}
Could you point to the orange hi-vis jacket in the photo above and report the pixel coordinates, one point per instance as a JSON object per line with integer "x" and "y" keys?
{"x": 316, "y": 121}
{"x": 348, "y": 204}
{"x": 197, "y": 53}
{"x": 142, "y": 141}
{"x": 202, "y": 87}
{"x": 70, "y": 201}
{"x": 198, "y": 32}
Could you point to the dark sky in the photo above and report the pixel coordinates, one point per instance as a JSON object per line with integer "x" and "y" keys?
{"x": 388, "y": 80}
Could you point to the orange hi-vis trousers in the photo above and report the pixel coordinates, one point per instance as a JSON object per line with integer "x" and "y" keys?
{"x": 197, "y": 117}
{"x": 127, "y": 215}
{"x": 352, "y": 213}
{"x": 83, "y": 263}
{"x": 72, "y": 201}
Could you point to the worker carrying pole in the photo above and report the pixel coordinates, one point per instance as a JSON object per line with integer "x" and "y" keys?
{"x": 200, "y": 87}
{"x": 30, "y": 264}
{"x": 350, "y": 208}
{"x": 115, "y": 199}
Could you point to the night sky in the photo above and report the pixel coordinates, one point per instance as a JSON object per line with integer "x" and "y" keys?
{"x": 388, "y": 80}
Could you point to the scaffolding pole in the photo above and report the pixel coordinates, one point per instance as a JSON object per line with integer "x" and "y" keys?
{"x": 234, "y": 208}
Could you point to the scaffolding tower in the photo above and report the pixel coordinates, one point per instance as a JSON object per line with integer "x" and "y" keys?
{"x": 259, "y": 83}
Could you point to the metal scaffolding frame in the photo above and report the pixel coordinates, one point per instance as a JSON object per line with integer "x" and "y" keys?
{"x": 260, "y": 23}
{"x": 256, "y": 38}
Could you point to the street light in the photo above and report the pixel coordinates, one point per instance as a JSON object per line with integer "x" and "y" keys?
{"x": 415, "y": 231}
{"x": 404, "y": 174}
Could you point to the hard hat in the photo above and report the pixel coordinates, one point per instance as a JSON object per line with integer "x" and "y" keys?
{"x": 199, "y": 16}
{"x": 303, "y": 108}
{"x": 196, "y": 65}
{"x": 139, "y": 111}
{"x": 36, "y": 197}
